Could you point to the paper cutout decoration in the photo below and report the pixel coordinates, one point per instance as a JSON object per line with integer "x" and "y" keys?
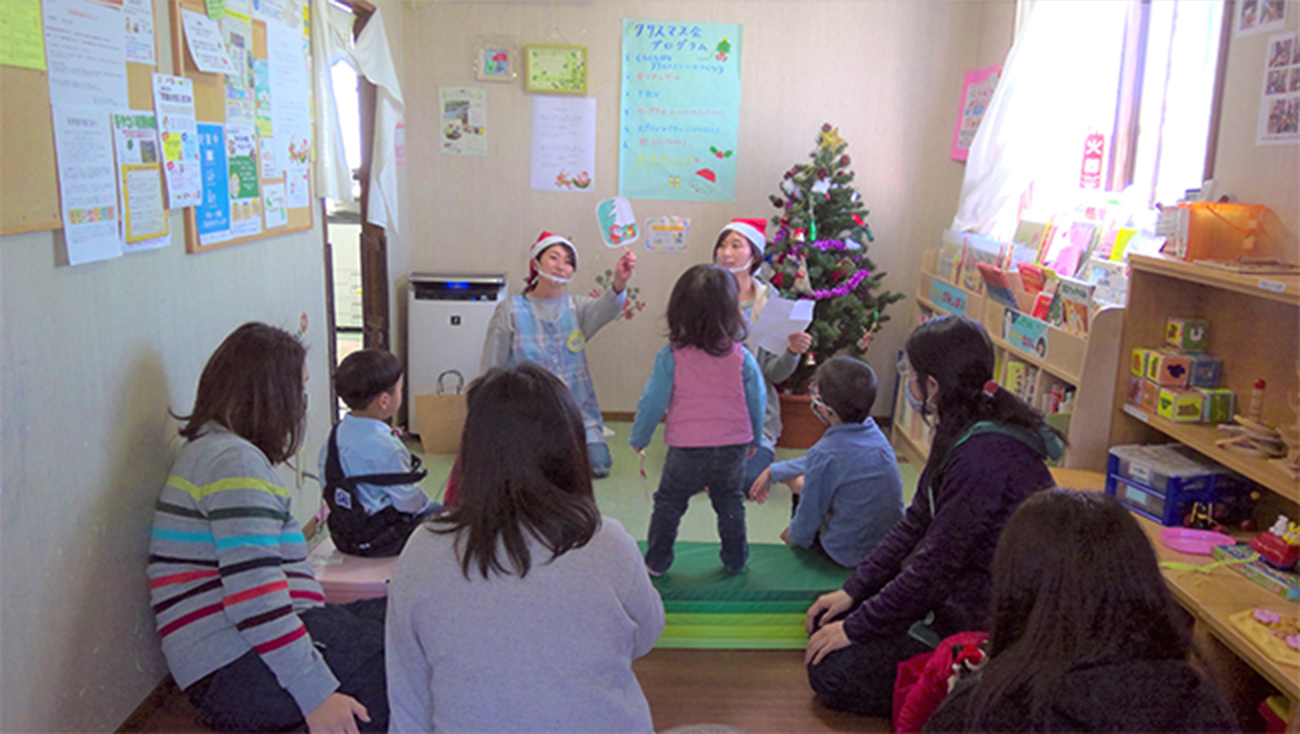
{"x": 617, "y": 222}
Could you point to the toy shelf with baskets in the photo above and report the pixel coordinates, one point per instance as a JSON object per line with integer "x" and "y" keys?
{"x": 1083, "y": 364}
{"x": 1254, "y": 322}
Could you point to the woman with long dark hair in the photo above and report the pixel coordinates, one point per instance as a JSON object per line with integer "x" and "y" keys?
{"x": 1085, "y": 635}
{"x": 521, "y": 609}
{"x": 929, "y": 577}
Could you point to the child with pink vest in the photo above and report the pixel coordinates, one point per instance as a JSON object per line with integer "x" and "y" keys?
{"x": 712, "y": 390}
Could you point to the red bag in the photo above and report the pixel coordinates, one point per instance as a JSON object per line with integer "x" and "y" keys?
{"x": 922, "y": 680}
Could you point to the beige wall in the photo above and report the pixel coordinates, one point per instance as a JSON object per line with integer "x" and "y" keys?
{"x": 887, "y": 73}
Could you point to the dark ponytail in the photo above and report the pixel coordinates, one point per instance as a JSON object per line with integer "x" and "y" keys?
{"x": 957, "y": 353}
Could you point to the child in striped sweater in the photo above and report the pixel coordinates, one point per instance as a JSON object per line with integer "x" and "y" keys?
{"x": 242, "y": 620}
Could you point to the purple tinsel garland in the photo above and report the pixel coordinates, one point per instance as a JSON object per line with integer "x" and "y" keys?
{"x": 842, "y": 290}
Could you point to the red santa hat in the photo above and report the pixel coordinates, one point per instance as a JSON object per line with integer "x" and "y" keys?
{"x": 544, "y": 241}
{"x": 750, "y": 229}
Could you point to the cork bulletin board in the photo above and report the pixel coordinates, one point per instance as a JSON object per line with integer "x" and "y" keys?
{"x": 210, "y": 107}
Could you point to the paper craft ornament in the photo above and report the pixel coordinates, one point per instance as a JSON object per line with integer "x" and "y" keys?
{"x": 616, "y": 221}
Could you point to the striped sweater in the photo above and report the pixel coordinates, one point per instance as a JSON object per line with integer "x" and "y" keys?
{"x": 228, "y": 569}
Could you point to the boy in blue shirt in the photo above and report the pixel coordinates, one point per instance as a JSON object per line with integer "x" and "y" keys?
{"x": 846, "y": 491}
{"x": 371, "y": 482}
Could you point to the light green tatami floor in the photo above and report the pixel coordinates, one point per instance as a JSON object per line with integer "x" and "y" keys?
{"x": 624, "y": 497}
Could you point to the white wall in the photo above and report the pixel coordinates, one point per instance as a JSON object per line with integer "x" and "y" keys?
{"x": 91, "y": 359}
{"x": 888, "y": 73}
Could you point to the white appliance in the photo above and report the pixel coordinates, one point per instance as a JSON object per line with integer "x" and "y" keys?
{"x": 447, "y": 321}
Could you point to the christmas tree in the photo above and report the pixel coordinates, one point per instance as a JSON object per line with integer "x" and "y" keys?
{"x": 819, "y": 251}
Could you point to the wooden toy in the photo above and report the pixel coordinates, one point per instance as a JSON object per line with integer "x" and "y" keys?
{"x": 1256, "y": 399}
{"x": 1140, "y": 358}
{"x": 1168, "y": 368}
{"x": 1183, "y": 406}
{"x": 1150, "y": 394}
{"x": 1135, "y": 389}
{"x": 1252, "y": 438}
{"x": 1192, "y": 335}
{"x": 1218, "y": 405}
{"x": 1205, "y": 370}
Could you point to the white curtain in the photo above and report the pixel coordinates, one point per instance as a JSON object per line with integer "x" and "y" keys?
{"x": 374, "y": 61}
{"x": 1058, "y": 84}
{"x": 331, "y": 37}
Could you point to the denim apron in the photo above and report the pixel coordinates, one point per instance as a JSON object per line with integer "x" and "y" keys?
{"x": 561, "y": 348}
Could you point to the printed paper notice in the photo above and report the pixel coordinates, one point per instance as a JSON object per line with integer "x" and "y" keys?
{"x": 245, "y": 192}
{"x": 203, "y": 37}
{"x": 667, "y": 234}
{"x": 85, "y": 48}
{"x": 83, "y": 144}
{"x": 262, "y": 97}
{"x": 174, "y": 102}
{"x": 297, "y": 192}
{"x": 290, "y": 88}
{"x": 212, "y": 215}
{"x": 1260, "y": 16}
{"x": 564, "y": 143}
{"x": 781, "y": 318}
{"x": 1279, "y": 106}
{"x": 240, "y": 102}
{"x": 464, "y": 120}
{"x": 139, "y": 31}
{"x": 21, "y": 41}
{"x": 273, "y": 206}
{"x": 144, "y": 215}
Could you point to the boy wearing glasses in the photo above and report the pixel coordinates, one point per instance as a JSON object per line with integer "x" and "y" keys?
{"x": 846, "y": 491}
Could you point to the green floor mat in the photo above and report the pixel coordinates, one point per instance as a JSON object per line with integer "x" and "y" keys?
{"x": 734, "y": 632}
{"x": 775, "y": 573}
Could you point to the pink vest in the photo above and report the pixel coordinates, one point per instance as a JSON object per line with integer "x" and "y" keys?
{"x": 708, "y": 403}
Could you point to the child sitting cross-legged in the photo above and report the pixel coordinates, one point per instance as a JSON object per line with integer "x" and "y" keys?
{"x": 846, "y": 491}
{"x": 371, "y": 482}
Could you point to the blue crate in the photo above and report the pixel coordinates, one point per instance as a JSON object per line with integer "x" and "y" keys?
{"x": 1163, "y": 489}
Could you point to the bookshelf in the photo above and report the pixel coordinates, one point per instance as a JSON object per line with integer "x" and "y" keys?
{"x": 1254, "y": 328}
{"x": 1085, "y": 364}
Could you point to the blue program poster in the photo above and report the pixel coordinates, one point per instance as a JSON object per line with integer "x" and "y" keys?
{"x": 680, "y": 111}
{"x": 213, "y": 213}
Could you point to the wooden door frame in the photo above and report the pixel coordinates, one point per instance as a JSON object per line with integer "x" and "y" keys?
{"x": 375, "y": 315}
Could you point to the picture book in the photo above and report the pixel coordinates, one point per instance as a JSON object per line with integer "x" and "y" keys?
{"x": 998, "y": 286}
{"x": 978, "y": 249}
{"x": 1032, "y": 276}
{"x": 1017, "y": 376}
{"x": 1111, "y": 280}
{"x": 1119, "y": 252}
{"x": 1075, "y": 297}
{"x": 1042, "y": 305}
{"x": 1029, "y": 233}
{"x": 950, "y": 255}
{"x": 1055, "y": 310}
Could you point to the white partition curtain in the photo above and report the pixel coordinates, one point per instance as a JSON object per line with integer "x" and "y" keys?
{"x": 330, "y": 41}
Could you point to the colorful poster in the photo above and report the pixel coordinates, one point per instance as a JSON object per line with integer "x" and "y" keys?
{"x": 269, "y": 10}
{"x": 241, "y": 107}
{"x": 174, "y": 102}
{"x": 213, "y": 214}
{"x": 564, "y": 144}
{"x": 1260, "y": 16}
{"x": 273, "y": 206}
{"x": 680, "y": 111}
{"x": 83, "y": 145}
{"x": 463, "y": 120}
{"x": 85, "y": 44}
{"x": 140, "y": 199}
{"x": 666, "y": 234}
{"x": 262, "y": 96}
{"x": 245, "y": 190}
{"x": 203, "y": 37}
{"x": 139, "y": 31}
{"x": 21, "y": 41}
{"x": 976, "y": 92}
{"x": 1279, "y": 106}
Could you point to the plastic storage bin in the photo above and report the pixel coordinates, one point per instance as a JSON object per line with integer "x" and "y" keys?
{"x": 1163, "y": 482}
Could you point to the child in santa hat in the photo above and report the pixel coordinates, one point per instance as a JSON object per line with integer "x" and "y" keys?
{"x": 739, "y": 249}
{"x": 546, "y": 325}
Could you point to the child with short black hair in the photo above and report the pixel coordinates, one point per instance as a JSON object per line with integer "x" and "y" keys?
{"x": 846, "y": 491}
{"x": 370, "y": 480}
{"x": 711, "y": 388}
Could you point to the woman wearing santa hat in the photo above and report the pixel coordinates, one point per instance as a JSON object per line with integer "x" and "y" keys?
{"x": 546, "y": 325}
{"x": 739, "y": 249}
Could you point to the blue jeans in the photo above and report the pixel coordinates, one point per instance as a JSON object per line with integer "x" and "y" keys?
{"x": 600, "y": 460}
{"x": 686, "y": 473}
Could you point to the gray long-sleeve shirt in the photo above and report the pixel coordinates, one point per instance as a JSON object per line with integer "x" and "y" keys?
{"x": 552, "y": 651}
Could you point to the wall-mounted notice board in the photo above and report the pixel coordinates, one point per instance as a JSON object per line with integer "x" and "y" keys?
{"x": 210, "y": 107}
{"x": 29, "y": 182}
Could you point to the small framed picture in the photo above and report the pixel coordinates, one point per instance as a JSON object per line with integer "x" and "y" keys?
{"x": 495, "y": 59}
{"x": 555, "y": 69}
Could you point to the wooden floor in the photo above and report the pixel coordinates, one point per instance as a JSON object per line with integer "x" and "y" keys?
{"x": 754, "y": 691}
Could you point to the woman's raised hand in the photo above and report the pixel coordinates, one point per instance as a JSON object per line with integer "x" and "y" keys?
{"x": 623, "y": 270}
{"x": 800, "y": 342}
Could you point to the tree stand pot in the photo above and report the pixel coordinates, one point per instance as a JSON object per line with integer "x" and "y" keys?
{"x": 800, "y": 429}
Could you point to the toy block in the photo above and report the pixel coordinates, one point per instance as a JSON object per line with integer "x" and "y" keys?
{"x": 1218, "y": 405}
{"x": 1205, "y": 370}
{"x": 1150, "y": 394}
{"x": 1183, "y": 406}
{"x": 1168, "y": 369}
{"x": 1135, "y": 389}
{"x": 1190, "y": 334}
{"x": 1141, "y": 357}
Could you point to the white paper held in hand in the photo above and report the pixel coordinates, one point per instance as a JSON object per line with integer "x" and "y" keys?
{"x": 780, "y": 318}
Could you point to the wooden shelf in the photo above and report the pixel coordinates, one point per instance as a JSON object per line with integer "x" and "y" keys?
{"x": 1201, "y": 437}
{"x": 1034, "y": 359}
{"x": 1283, "y": 288}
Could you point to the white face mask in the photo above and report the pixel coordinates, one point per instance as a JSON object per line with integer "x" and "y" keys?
{"x": 913, "y": 402}
{"x": 744, "y": 267}
{"x": 554, "y": 278}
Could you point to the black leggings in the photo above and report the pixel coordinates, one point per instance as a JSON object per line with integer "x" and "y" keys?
{"x": 245, "y": 695}
{"x": 860, "y": 678}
